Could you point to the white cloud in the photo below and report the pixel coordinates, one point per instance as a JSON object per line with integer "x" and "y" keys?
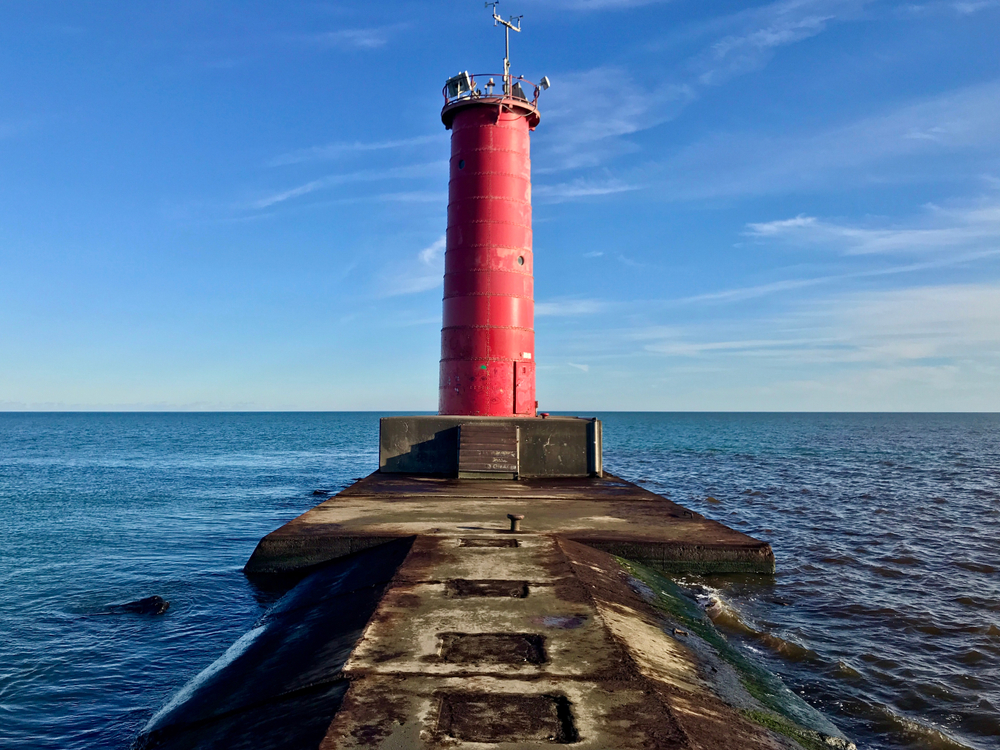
{"x": 427, "y": 169}
{"x": 943, "y": 231}
{"x": 726, "y": 164}
{"x": 581, "y": 188}
{"x": 781, "y": 226}
{"x": 961, "y": 7}
{"x": 584, "y": 109}
{"x": 342, "y": 148}
{"x": 427, "y": 274}
{"x": 581, "y": 368}
{"x": 370, "y": 38}
{"x": 285, "y": 195}
{"x": 439, "y": 197}
{"x": 570, "y": 307}
{"x": 587, "y": 112}
{"x": 897, "y": 328}
{"x": 433, "y": 254}
{"x": 774, "y": 26}
{"x": 411, "y": 284}
{"x": 586, "y": 5}
{"x": 758, "y": 290}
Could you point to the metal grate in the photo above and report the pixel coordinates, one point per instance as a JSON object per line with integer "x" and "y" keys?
{"x": 458, "y": 587}
{"x": 499, "y": 717}
{"x": 488, "y": 451}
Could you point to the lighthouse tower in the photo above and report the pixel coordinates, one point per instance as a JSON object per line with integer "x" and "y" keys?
{"x": 487, "y": 334}
{"x": 486, "y": 426}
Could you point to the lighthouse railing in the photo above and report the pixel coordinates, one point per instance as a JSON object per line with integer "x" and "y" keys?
{"x": 511, "y": 89}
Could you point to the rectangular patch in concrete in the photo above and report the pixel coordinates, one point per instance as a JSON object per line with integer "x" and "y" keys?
{"x": 459, "y": 587}
{"x": 498, "y": 717}
{"x": 489, "y": 543}
{"x": 492, "y": 648}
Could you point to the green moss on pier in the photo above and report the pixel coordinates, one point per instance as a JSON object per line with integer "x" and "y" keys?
{"x": 775, "y": 710}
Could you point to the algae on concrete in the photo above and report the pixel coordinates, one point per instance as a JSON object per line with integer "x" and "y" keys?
{"x": 766, "y": 700}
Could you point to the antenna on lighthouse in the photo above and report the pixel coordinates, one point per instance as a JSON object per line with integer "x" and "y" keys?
{"x": 513, "y": 23}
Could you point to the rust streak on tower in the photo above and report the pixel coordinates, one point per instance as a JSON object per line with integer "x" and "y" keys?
{"x": 487, "y": 334}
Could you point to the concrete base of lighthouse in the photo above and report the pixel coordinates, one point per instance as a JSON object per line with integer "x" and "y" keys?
{"x": 490, "y": 447}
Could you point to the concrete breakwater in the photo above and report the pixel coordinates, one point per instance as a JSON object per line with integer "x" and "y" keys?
{"x": 422, "y": 620}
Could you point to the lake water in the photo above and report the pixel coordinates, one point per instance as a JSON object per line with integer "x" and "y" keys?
{"x": 884, "y": 614}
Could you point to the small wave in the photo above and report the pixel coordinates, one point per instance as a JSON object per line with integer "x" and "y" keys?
{"x": 973, "y": 657}
{"x": 728, "y": 619}
{"x": 902, "y": 560}
{"x": 976, "y": 602}
{"x": 974, "y": 566}
{"x": 887, "y": 572}
{"x": 845, "y": 671}
{"x": 916, "y": 733}
{"x": 838, "y": 560}
{"x": 865, "y": 610}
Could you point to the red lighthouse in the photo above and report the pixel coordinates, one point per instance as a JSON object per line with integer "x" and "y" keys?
{"x": 487, "y": 334}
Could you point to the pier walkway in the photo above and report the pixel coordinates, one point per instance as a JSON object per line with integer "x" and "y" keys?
{"x": 425, "y": 621}
{"x": 606, "y": 513}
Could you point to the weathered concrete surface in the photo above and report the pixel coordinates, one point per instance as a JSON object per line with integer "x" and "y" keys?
{"x": 609, "y": 676}
{"x": 282, "y": 682}
{"x": 468, "y": 645}
{"x": 551, "y": 447}
{"x": 424, "y": 622}
{"x": 606, "y": 513}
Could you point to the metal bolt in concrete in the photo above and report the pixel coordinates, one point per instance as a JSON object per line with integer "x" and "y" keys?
{"x": 515, "y": 521}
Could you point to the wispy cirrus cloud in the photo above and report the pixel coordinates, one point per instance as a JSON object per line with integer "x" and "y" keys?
{"x": 344, "y": 148}
{"x": 957, "y": 122}
{"x": 751, "y": 37}
{"x": 590, "y": 114}
{"x": 365, "y": 38}
{"x": 427, "y": 169}
{"x": 589, "y": 5}
{"x": 415, "y": 284}
{"x": 433, "y": 254}
{"x": 942, "y": 230}
{"x": 960, "y": 7}
{"x": 755, "y": 291}
{"x": 568, "y": 307}
{"x": 949, "y": 238}
{"x": 896, "y": 328}
{"x": 584, "y": 110}
{"x": 580, "y": 188}
{"x": 426, "y": 274}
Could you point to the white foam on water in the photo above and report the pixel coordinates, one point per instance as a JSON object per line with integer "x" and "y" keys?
{"x": 232, "y": 653}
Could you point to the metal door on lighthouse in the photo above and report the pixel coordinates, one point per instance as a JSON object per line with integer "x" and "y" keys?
{"x": 524, "y": 388}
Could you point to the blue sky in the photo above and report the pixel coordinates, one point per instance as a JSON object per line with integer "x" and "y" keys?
{"x": 238, "y": 205}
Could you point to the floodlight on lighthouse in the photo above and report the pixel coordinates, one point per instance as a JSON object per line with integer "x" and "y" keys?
{"x": 545, "y": 83}
{"x": 459, "y": 85}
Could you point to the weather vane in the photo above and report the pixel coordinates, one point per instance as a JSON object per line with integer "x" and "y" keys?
{"x": 509, "y": 25}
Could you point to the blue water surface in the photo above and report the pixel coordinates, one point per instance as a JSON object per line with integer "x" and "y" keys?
{"x": 884, "y": 614}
